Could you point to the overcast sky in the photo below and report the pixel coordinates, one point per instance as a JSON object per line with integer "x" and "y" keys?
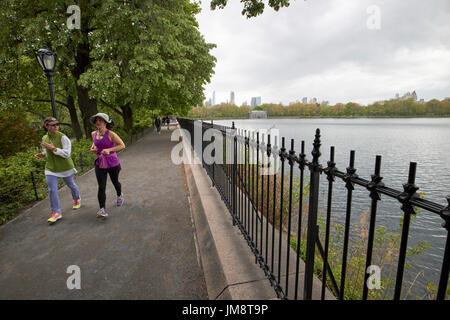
{"x": 334, "y": 50}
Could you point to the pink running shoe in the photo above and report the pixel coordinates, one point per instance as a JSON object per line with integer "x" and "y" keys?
{"x": 76, "y": 204}
{"x": 120, "y": 200}
{"x": 54, "y": 217}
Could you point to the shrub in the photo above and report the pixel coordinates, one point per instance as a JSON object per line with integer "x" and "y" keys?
{"x": 16, "y": 185}
{"x": 16, "y": 134}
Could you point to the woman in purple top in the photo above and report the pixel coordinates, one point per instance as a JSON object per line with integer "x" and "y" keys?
{"x": 106, "y": 143}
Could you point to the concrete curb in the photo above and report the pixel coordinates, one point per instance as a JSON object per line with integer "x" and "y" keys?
{"x": 227, "y": 262}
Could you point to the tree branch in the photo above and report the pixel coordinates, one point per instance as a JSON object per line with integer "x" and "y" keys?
{"x": 42, "y": 100}
{"x": 111, "y": 107}
{"x": 36, "y": 113}
{"x": 65, "y": 97}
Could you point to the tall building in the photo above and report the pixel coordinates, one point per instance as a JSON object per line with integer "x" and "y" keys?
{"x": 305, "y": 100}
{"x": 232, "y": 101}
{"x": 408, "y": 95}
{"x": 256, "y": 101}
{"x": 213, "y": 102}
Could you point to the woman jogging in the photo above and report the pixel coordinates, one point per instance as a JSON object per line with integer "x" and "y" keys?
{"x": 106, "y": 143}
{"x": 57, "y": 149}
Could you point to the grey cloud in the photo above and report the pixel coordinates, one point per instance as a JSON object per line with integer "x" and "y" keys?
{"x": 310, "y": 38}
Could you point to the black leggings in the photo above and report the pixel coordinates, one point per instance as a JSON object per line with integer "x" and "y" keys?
{"x": 102, "y": 175}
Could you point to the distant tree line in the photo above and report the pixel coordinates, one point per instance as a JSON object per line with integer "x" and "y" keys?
{"x": 390, "y": 108}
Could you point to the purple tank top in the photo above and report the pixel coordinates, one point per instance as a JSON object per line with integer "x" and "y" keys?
{"x": 111, "y": 160}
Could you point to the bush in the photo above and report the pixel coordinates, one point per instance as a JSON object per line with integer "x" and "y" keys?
{"x": 16, "y": 134}
{"x": 82, "y": 157}
{"x": 16, "y": 185}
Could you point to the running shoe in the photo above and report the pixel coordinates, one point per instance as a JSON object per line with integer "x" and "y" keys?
{"x": 76, "y": 204}
{"x": 54, "y": 217}
{"x": 102, "y": 213}
{"x": 120, "y": 200}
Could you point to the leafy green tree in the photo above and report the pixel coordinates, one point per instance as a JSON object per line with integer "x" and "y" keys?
{"x": 126, "y": 54}
{"x": 252, "y": 8}
{"x": 29, "y": 25}
{"x": 148, "y": 55}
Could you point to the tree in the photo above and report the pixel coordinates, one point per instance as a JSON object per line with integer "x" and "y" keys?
{"x": 126, "y": 54}
{"x": 252, "y": 8}
{"x": 27, "y": 26}
{"x": 149, "y": 55}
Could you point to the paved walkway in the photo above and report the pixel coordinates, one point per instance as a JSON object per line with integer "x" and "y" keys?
{"x": 144, "y": 250}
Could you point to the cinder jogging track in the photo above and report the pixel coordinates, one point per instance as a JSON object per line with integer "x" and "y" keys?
{"x": 144, "y": 250}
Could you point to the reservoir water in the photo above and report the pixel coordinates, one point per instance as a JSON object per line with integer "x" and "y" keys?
{"x": 425, "y": 141}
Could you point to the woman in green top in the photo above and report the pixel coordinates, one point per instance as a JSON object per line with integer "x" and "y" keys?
{"x": 57, "y": 149}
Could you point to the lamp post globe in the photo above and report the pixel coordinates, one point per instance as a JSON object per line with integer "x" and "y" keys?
{"x": 47, "y": 61}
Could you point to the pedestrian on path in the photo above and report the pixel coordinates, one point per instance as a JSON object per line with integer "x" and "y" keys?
{"x": 106, "y": 143}
{"x": 168, "y": 122}
{"x": 59, "y": 164}
{"x": 158, "y": 124}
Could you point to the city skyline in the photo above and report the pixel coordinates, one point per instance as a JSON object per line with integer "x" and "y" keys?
{"x": 330, "y": 50}
{"x": 305, "y": 100}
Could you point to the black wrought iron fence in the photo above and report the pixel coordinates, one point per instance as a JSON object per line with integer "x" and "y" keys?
{"x": 262, "y": 206}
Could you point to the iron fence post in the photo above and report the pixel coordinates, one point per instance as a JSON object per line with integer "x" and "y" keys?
{"x": 375, "y": 196}
{"x": 349, "y": 185}
{"x": 234, "y": 173}
{"x": 34, "y": 186}
{"x": 81, "y": 162}
{"x": 213, "y": 155}
{"x": 409, "y": 193}
{"x": 443, "y": 281}
{"x": 312, "y": 233}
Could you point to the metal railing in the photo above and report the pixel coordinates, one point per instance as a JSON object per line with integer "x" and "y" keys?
{"x": 256, "y": 202}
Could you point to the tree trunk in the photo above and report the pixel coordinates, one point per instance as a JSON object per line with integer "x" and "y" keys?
{"x": 74, "y": 118}
{"x": 88, "y": 107}
{"x": 127, "y": 115}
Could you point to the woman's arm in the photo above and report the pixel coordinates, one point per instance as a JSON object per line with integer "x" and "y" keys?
{"x": 93, "y": 147}
{"x": 66, "y": 148}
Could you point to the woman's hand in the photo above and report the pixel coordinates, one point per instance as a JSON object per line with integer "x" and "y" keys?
{"x": 93, "y": 148}
{"x": 48, "y": 146}
{"x": 105, "y": 152}
{"x": 39, "y": 155}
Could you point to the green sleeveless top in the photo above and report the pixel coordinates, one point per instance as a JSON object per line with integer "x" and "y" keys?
{"x": 56, "y": 163}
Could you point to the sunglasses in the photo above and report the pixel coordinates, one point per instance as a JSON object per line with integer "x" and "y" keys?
{"x": 53, "y": 125}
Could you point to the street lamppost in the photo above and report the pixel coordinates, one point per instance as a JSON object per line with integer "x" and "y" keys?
{"x": 47, "y": 60}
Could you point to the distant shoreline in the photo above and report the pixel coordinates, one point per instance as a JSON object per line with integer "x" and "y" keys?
{"x": 316, "y": 117}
